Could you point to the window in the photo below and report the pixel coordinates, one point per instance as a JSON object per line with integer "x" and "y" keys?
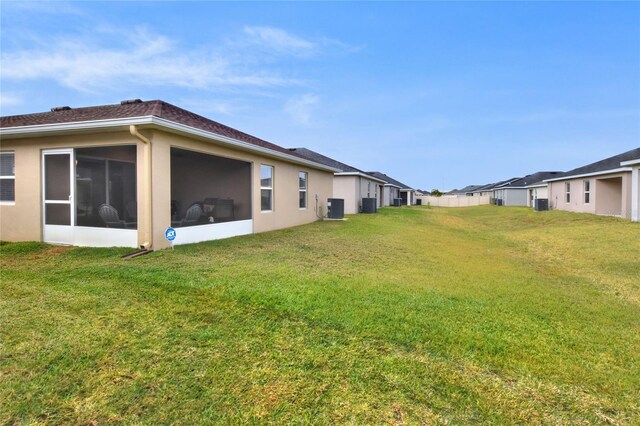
{"x": 587, "y": 191}
{"x": 567, "y": 190}
{"x": 302, "y": 178}
{"x": 266, "y": 188}
{"x": 7, "y": 176}
{"x": 368, "y": 189}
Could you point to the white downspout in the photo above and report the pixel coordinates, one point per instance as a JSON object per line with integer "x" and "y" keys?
{"x": 147, "y": 160}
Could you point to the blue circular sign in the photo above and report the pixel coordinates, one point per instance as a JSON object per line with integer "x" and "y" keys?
{"x": 170, "y": 234}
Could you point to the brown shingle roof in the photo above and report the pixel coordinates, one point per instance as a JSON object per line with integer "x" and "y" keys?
{"x": 156, "y": 108}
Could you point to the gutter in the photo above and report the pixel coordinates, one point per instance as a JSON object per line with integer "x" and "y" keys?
{"x": 604, "y": 172}
{"x": 364, "y": 175}
{"x": 631, "y": 162}
{"x": 147, "y": 160}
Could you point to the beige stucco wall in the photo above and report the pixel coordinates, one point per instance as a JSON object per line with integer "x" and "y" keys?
{"x": 609, "y": 195}
{"x": 22, "y": 221}
{"x": 345, "y": 187}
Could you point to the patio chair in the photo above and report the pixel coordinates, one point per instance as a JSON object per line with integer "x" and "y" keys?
{"x": 191, "y": 216}
{"x": 111, "y": 218}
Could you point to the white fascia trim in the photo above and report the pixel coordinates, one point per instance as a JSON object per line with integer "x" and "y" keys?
{"x": 44, "y": 129}
{"x": 364, "y": 175}
{"x": 631, "y": 162}
{"x": 541, "y": 185}
{"x": 604, "y": 172}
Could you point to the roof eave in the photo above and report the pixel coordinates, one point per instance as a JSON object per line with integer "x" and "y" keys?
{"x": 600, "y": 173}
{"x": 360, "y": 174}
{"x": 150, "y": 120}
{"x": 631, "y": 162}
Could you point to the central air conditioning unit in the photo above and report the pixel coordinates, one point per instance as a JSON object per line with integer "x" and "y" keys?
{"x": 498, "y": 201}
{"x": 540, "y": 204}
{"x": 397, "y": 202}
{"x": 335, "y": 208}
{"x": 418, "y": 201}
{"x": 369, "y": 205}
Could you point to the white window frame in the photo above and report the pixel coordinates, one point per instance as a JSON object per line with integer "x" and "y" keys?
{"x": 10, "y": 177}
{"x": 300, "y": 190}
{"x": 268, "y": 188}
{"x": 567, "y": 192}
{"x": 586, "y": 185}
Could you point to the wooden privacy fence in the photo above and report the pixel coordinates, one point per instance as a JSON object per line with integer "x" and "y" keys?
{"x": 454, "y": 201}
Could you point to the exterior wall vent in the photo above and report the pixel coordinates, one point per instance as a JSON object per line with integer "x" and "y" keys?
{"x": 60, "y": 108}
{"x": 131, "y": 101}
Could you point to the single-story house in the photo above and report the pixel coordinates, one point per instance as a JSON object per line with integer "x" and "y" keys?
{"x": 120, "y": 175}
{"x": 492, "y": 190}
{"x": 395, "y": 189}
{"x": 519, "y": 192}
{"x": 483, "y": 190}
{"x": 604, "y": 187}
{"x": 350, "y": 183}
{"x": 467, "y": 191}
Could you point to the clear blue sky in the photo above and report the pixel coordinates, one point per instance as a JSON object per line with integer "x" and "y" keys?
{"x": 437, "y": 95}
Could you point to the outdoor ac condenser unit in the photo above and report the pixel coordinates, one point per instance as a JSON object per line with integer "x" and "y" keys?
{"x": 397, "y": 202}
{"x": 335, "y": 208}
{"x": 369, "y": 205}
{"x": 540, "y": 204}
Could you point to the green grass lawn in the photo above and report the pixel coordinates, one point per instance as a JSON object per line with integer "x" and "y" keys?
{"x": 411, "y": 316}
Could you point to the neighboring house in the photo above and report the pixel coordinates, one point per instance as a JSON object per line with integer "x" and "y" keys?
{"x": 520, "y": 192}
{"x": 422, "y": 193}
{"x": 635, "y": 187}
{"x": 120, "y": 175}
{"x": 604, "y": 187}
{"x": 349, "y": 183}
{"x": 496, "y": 190}
{"x": 483, "y": 190}
{"x": 395, "y": 189}
{"x": 467, "y": 191}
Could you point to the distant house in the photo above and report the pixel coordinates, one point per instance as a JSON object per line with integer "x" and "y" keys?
{"x": 522, "y": 191}
{"x": 467, "y": 191}
{"x": 605, "y": 187}
{"x": 484, "y": 190}
{"x": 349, "y": 183}
{"x": 395, "y": 189}
{"x": 120, "y": 175}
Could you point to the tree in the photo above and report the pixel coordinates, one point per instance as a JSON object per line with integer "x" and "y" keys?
{"x": 436, "y": 193}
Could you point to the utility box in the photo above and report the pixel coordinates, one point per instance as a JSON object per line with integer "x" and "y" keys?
{"x": 369, "y": 205}
{"x": 540, "y": 204}
{"x": 397, "y": 202}
{"x": 335, "y": 208}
